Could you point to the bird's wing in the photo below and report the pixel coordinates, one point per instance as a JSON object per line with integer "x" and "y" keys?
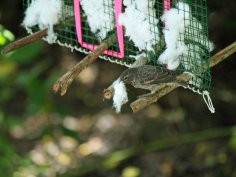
{"x": 155, "y": 75}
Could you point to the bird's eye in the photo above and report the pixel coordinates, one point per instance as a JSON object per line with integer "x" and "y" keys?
{"x": 126, "y": 78}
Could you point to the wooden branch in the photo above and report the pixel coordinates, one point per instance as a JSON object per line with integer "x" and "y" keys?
{"x": 64, "y": 82}
{"x": 141, "y": 103}
{"x": 34, "y": 37}
{"x": 108, "y": 93}
{"x": 223, "y": 54}
{"x": 24, "y": 41}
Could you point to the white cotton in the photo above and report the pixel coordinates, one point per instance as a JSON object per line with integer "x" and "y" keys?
{"x": 211, "y": 46}
{"x": 194, "y": 32}
{"x": 184, "y": 10}
{"x": 127, "y": 2}
{"x": 176, "y": 20}
{"x": 173, "y": 20}
{"x": 171, "y": 56}
{"x": 44, "y": 13}
{"x": 120, "y": 95}
{"x": 100, "y": 16}
{"x": 136, "y": 20}
{"x": 196, "y": 60}
{"x": 147, "y": 7}
{"x": 31, "y": 15}
{"x": 194, "y": 57}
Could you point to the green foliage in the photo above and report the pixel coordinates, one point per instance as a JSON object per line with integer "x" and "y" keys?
{"x": 232, "y": 142}
{"x": 8, "y": 160}
{"x": 45, "y": 135}
{"x": 25, "y": 54}
{"x": 24, "y": 91}
{"x": 5, "y": 36}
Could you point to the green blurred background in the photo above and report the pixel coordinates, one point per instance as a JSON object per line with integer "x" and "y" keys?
{"x": 45, "y": 135}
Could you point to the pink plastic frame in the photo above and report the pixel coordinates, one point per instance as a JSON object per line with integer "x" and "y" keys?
{"x": 119, "y": 28}
{"x": 166, "y": 5}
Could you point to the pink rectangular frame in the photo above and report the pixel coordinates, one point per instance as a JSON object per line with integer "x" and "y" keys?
{"x": 119, "y": 28}
{"x": 166, "y": 5}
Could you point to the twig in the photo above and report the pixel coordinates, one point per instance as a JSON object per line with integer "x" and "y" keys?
{"x": 141, "y": 103}
{"x": 34, "y": 37}
{"x": 108, "y": 92}
{"x": 24, "y": 41}
{"x": 62, "y": 84}
{"x": 223, "y": 54}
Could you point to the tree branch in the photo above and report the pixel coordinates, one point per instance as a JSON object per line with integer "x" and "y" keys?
{"x": 64, "y": 82}
{"x": 223, "y": 54}
{"x": 33, "y": 37}
{"x": 141, "y": 103}
{"x": 24, "y": 41}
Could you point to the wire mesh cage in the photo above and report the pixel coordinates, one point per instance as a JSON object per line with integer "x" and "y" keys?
{"x": 141, "y": 28}
{"x": 194, "y": 37}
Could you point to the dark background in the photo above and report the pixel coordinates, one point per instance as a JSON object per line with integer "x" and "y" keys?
{"x": 44, "y": 134}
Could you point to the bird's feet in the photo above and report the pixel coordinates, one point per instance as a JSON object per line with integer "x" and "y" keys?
{"x": 182, "y": 83}
{"x": 145, "y": 95}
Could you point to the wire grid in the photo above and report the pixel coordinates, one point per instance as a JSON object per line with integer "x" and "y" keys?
{"x": 196, "y": 61}
{"x": 66, "y": 32}
{"x": 130, "y": 48}
{"x": 195, "y": 38}
{"x": 159, "y": 39}
{"x": 90, "y": 38}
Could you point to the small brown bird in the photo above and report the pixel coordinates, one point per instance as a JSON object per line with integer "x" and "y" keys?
{"x": 149, "y": 77}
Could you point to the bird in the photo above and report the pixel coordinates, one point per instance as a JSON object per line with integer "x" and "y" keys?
{"x": 150, "y": 77}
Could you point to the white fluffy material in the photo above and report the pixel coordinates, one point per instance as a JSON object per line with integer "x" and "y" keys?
{"x": 100, "y": 16}
{"x": 120, "y": 95}
{"x": 180, "y": 25}
{"x": 138, "y": 27}
{"x": 44, "y": 13}
{"x": 171, "y": 56}
{"x": 194, "y": 33}
{"x": 176, "y": 19}
{"x": 194, "y": 56}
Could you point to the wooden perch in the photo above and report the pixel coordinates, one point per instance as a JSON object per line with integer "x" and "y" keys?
{"x": 33, "y": 37}
{"x": 24, "y": 41}
{"x": 141, "y": 103}
{"x": 62, "y": 84}
{"x": 108, "y": 93}
{"x": 223, "y": 54}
